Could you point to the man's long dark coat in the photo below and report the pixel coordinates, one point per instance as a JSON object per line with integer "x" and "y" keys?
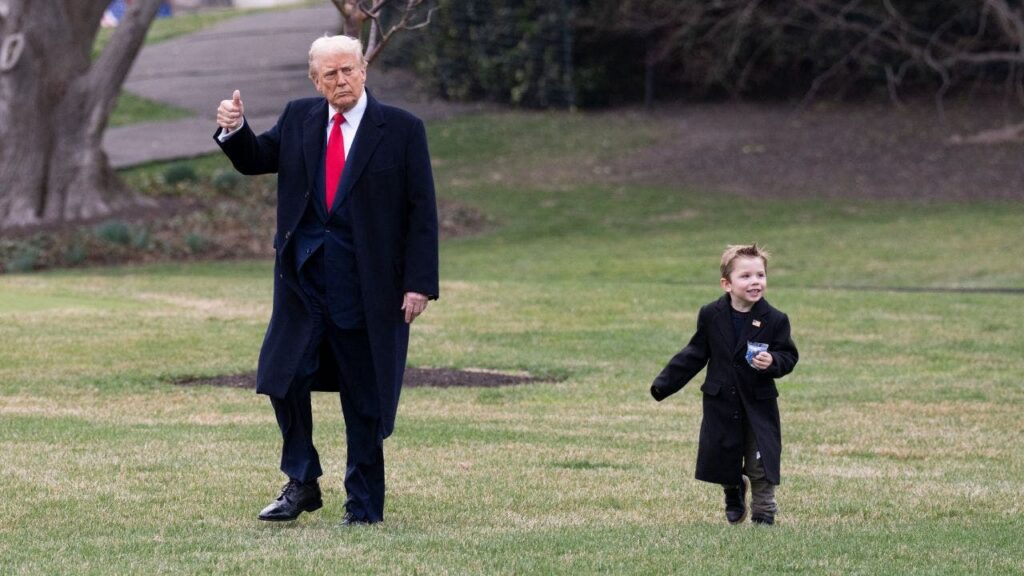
{"x": 389, "y": 186}
{"x": 733, "y": 389}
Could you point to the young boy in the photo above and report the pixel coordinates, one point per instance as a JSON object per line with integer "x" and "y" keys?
{"x": 740, "y": 436}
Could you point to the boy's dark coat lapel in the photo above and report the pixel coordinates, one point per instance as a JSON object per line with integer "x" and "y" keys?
{"x": 750, "y": 332}
{"x": 723, "y": 319}
{"x": 759, "y": 314}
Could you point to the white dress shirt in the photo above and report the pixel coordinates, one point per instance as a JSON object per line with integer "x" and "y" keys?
{"x": 351, "y": 124}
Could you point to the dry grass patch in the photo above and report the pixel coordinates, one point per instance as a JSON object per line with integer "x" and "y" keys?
{"x": 184, "y": 306}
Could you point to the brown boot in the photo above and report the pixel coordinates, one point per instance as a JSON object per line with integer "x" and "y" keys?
{"x": 736, "y": 501}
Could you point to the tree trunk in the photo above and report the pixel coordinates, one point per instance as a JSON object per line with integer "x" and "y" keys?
{"x": 54, "y": 108}
{"x": 650, "y": 73}
{"x": 352, "y": 17}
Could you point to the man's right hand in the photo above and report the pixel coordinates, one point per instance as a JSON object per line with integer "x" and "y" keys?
{"x": 230, "y": 112}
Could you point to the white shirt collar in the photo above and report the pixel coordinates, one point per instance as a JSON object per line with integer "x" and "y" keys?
{"x": 354, "y": 116}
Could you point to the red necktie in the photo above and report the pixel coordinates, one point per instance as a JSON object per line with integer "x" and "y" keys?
{"x": 335, "y": 161}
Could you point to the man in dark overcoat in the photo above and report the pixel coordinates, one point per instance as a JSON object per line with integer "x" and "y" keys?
{"x": 356, "y": 262}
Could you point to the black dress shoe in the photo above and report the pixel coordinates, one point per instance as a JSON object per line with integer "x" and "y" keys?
{"x": 763, "y": 519}
{"x": 736, "y": 502}
{"x": 295, "y": 499}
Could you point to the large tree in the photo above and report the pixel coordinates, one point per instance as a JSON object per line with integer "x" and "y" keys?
{"x": 55, "y": 102}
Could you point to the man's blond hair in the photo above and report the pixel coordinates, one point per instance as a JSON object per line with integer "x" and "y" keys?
{"x": 734, "y": 251}
{"x": 329, "y": 45}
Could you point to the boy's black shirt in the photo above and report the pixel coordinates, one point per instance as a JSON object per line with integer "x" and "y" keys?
{"x": 739, "y": 320}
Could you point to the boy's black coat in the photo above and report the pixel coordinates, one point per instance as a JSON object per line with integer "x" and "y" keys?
{"x": 732, "y": 388}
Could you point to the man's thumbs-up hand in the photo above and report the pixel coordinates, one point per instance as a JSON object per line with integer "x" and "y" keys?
{"x": 230, "y": 112}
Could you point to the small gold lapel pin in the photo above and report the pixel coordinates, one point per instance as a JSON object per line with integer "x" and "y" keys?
{"x": 757, "y": 323}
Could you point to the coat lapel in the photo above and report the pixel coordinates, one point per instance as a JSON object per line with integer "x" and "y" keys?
{"x": 314, "y": 130}
{"x": 723, "y": 320}
{"x": 755, "y": 324}
{"x": 366, "y": 140}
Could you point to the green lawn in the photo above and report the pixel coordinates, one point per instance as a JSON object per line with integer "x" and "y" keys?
{"x": 131, "y": 109}
{"x": 902, "y": 422}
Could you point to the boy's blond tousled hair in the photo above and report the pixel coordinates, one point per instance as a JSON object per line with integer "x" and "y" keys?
{"x": 734, "y": 251}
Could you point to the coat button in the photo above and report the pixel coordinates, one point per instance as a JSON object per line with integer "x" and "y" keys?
{"x": 736, "y": 415}
{"x": 287, "y": 235}
{"x": 307, "y": 195}
{"x": 733, "y": 390}
{"x": 281, "y": 276}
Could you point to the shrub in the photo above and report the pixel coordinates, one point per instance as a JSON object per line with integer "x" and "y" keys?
{"x": 140, "y": 238}
{"x": 115, "y": 232}
{"x": 553, "y": 53}
{"x": 196, "y": 242}
{"x": 180, "y": 173}
{"x": 25, "y": 259}
{"x": 75, "y": 253}
{"x": 502, "y": 50}
{"x": 227, "y": 181}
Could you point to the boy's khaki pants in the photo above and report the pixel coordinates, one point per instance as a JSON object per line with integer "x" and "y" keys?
{"x": 762, "y": 494}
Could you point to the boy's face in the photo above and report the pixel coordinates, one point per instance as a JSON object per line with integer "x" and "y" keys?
{"x": 746, "y": 283}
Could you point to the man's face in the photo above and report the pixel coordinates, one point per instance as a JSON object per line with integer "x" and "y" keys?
{"x": 340, "y": 78}
{"x": 747, "y": 282}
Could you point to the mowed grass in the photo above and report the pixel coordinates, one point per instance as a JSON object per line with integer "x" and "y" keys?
{"x": 131, "y": 109}
{"x": 901, "y": 424}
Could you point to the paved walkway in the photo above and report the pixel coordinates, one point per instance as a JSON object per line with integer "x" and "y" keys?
{"x": 264, "y": 56}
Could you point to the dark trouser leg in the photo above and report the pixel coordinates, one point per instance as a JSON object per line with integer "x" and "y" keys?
{"x": 299, "y": 458}
{"x": 762, "y": 493}
{"x": 360, "y": 404}
{"x": 364, "y": 474}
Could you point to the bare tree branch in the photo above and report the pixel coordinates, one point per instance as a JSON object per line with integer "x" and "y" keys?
{"x": 378, "y": 37}
{"x": 357, "y": 13}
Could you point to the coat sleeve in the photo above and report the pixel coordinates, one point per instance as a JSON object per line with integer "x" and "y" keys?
{"x": 251, "y": 154}
{"x": 686, "y": 364}
{"x": 783, "y": 350}
{"x": 421, "y": 241}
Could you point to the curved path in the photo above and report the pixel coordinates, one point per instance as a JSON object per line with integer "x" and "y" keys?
{"x": 264, "y": 56}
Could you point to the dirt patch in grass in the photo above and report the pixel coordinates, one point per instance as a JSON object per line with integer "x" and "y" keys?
{"x": 832, "y": 150}
{"x": 414, "y": 378}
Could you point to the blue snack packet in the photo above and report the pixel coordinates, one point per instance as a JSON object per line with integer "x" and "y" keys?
{"x": 753, "y": 349}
